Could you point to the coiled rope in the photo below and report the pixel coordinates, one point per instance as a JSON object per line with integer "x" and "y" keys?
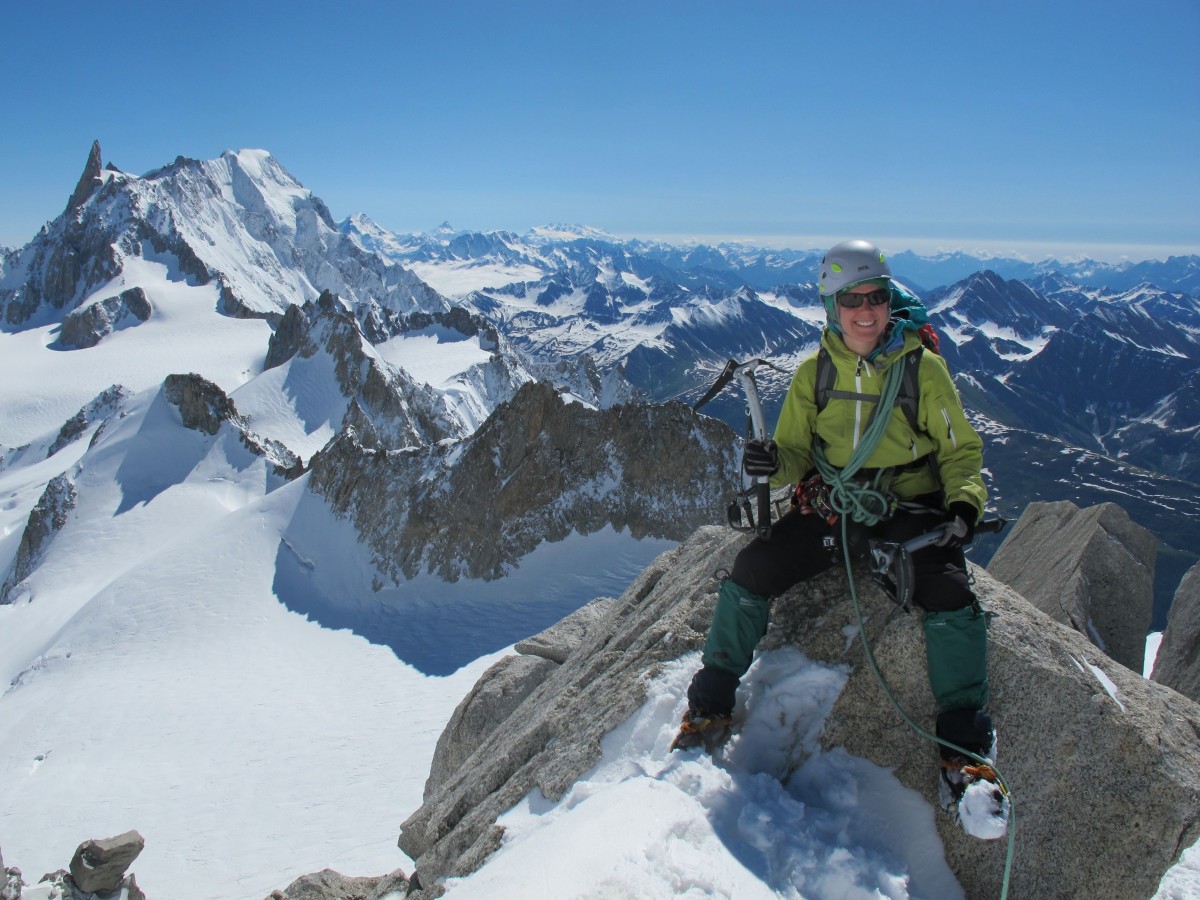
{"x": 858, "y": 500}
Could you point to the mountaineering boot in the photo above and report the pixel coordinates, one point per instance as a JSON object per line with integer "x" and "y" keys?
{"x": 975, "y": 795}
{"x": 702, "y": 730}
{"x": 968, "y": 788}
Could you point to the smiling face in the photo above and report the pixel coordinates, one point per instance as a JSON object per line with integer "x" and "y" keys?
{"x": 862, "y": 326}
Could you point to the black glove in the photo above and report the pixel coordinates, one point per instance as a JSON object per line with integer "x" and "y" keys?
{"x": 960, "y": 525}
{"x": 760, "y": 459}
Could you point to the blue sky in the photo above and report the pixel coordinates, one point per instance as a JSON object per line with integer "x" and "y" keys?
{"x": 1036, "y": 127}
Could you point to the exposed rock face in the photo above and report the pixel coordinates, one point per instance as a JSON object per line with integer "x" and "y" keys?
{"x": 1178, "y": 662}
{"x": 330, "y": 885}
{"x": 85, "y": 326}
{"x": 499, "y": 691}
{"x": 505, "y": 685}
{"x": 89, "y": 180}
{"x": 202, "y": 404}
{"x": 100, "y": 865}
{"x": 1094, "y": 571}
{"x": 563, "y": 638}
{"x": 204, "y": 407}
{"x": 45, "y": 521}
{"x": 388, "y": 407}
{"x": 1083, "y": 740}
{"x": 105, "y": 404}
{"x": 546, "y": 466}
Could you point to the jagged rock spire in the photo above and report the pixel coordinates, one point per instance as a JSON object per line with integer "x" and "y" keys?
{"x": 89, "y": 180}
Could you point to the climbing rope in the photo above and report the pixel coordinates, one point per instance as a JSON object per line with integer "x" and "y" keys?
{"x": 982, "y": 763}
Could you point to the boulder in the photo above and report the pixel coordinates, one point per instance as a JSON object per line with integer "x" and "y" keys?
{"x": 330, "y": 885}
{"x": 498, "y": 692}
{"x": 1090, "y": 569}
{"x": 99, "y": 865}
{"x": 1178, "y": 662}
{"x": 561, "y": 639}
{"x": 1083, "y": 740}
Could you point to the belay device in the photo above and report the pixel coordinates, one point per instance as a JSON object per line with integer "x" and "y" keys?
{"x": 740, "y": 513}
{"x": 892, "y": 564}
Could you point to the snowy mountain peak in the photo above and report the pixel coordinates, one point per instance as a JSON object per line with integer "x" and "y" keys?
{"x": 546, "y": 233}
{"x": 92, "y": 178}
{"x": 240, "y": 222}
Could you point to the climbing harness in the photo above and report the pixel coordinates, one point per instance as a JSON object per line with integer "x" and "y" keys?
{"x": 892, "y": 563}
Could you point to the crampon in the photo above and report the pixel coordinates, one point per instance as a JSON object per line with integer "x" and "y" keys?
{"x": 702, "y": 730}
{"x": 976, "y": 796}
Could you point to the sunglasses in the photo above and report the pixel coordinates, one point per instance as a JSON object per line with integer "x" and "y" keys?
{"x": 877, "y": 297}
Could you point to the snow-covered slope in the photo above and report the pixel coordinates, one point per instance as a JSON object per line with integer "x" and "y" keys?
{"x": 711, "y": 828}
{"x": 43, "y": 386}
{"x": 155, "y": 681}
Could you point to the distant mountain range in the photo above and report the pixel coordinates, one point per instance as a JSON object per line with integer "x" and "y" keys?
{"x": 1100, "y": 360}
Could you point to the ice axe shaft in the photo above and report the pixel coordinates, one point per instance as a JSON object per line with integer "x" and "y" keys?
{"x": 744, "y": 372}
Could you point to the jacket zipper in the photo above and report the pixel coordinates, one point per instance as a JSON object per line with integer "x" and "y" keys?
{"x": 950, "y": 428}
{"x": 857, "y": 403}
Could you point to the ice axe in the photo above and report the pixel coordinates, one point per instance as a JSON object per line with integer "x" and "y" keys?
{"x": 737, "y": 513}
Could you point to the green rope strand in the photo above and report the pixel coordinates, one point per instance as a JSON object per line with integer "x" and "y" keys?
{"x": 862, "y": 633}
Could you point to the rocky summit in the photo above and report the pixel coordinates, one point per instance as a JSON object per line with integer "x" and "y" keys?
{"x": 1083, "y": 740}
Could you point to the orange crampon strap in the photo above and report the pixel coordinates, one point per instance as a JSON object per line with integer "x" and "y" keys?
{"x": 695, "y": 724}
{"x": 980, "y": 772}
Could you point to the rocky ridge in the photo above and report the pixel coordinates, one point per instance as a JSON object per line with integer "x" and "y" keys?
{"x": 1094, "y": 573}
{"x": 1178, "y": 662}
{"x": 547, "y": 467}
{"x": 240, "y": 222}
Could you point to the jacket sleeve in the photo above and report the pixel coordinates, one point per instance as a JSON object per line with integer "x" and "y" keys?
{"x": 794, "y": 431}
{"x": 958, "y": 449}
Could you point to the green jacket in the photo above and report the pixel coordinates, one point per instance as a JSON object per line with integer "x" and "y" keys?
{"x": 944, "y": 430}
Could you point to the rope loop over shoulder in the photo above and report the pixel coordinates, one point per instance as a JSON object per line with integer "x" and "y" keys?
{"x": 867, "y": 504}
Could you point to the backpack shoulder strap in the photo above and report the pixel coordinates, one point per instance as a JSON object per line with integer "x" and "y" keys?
{"x": 909, "y": 398}
{"x": 826, "y": 378}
